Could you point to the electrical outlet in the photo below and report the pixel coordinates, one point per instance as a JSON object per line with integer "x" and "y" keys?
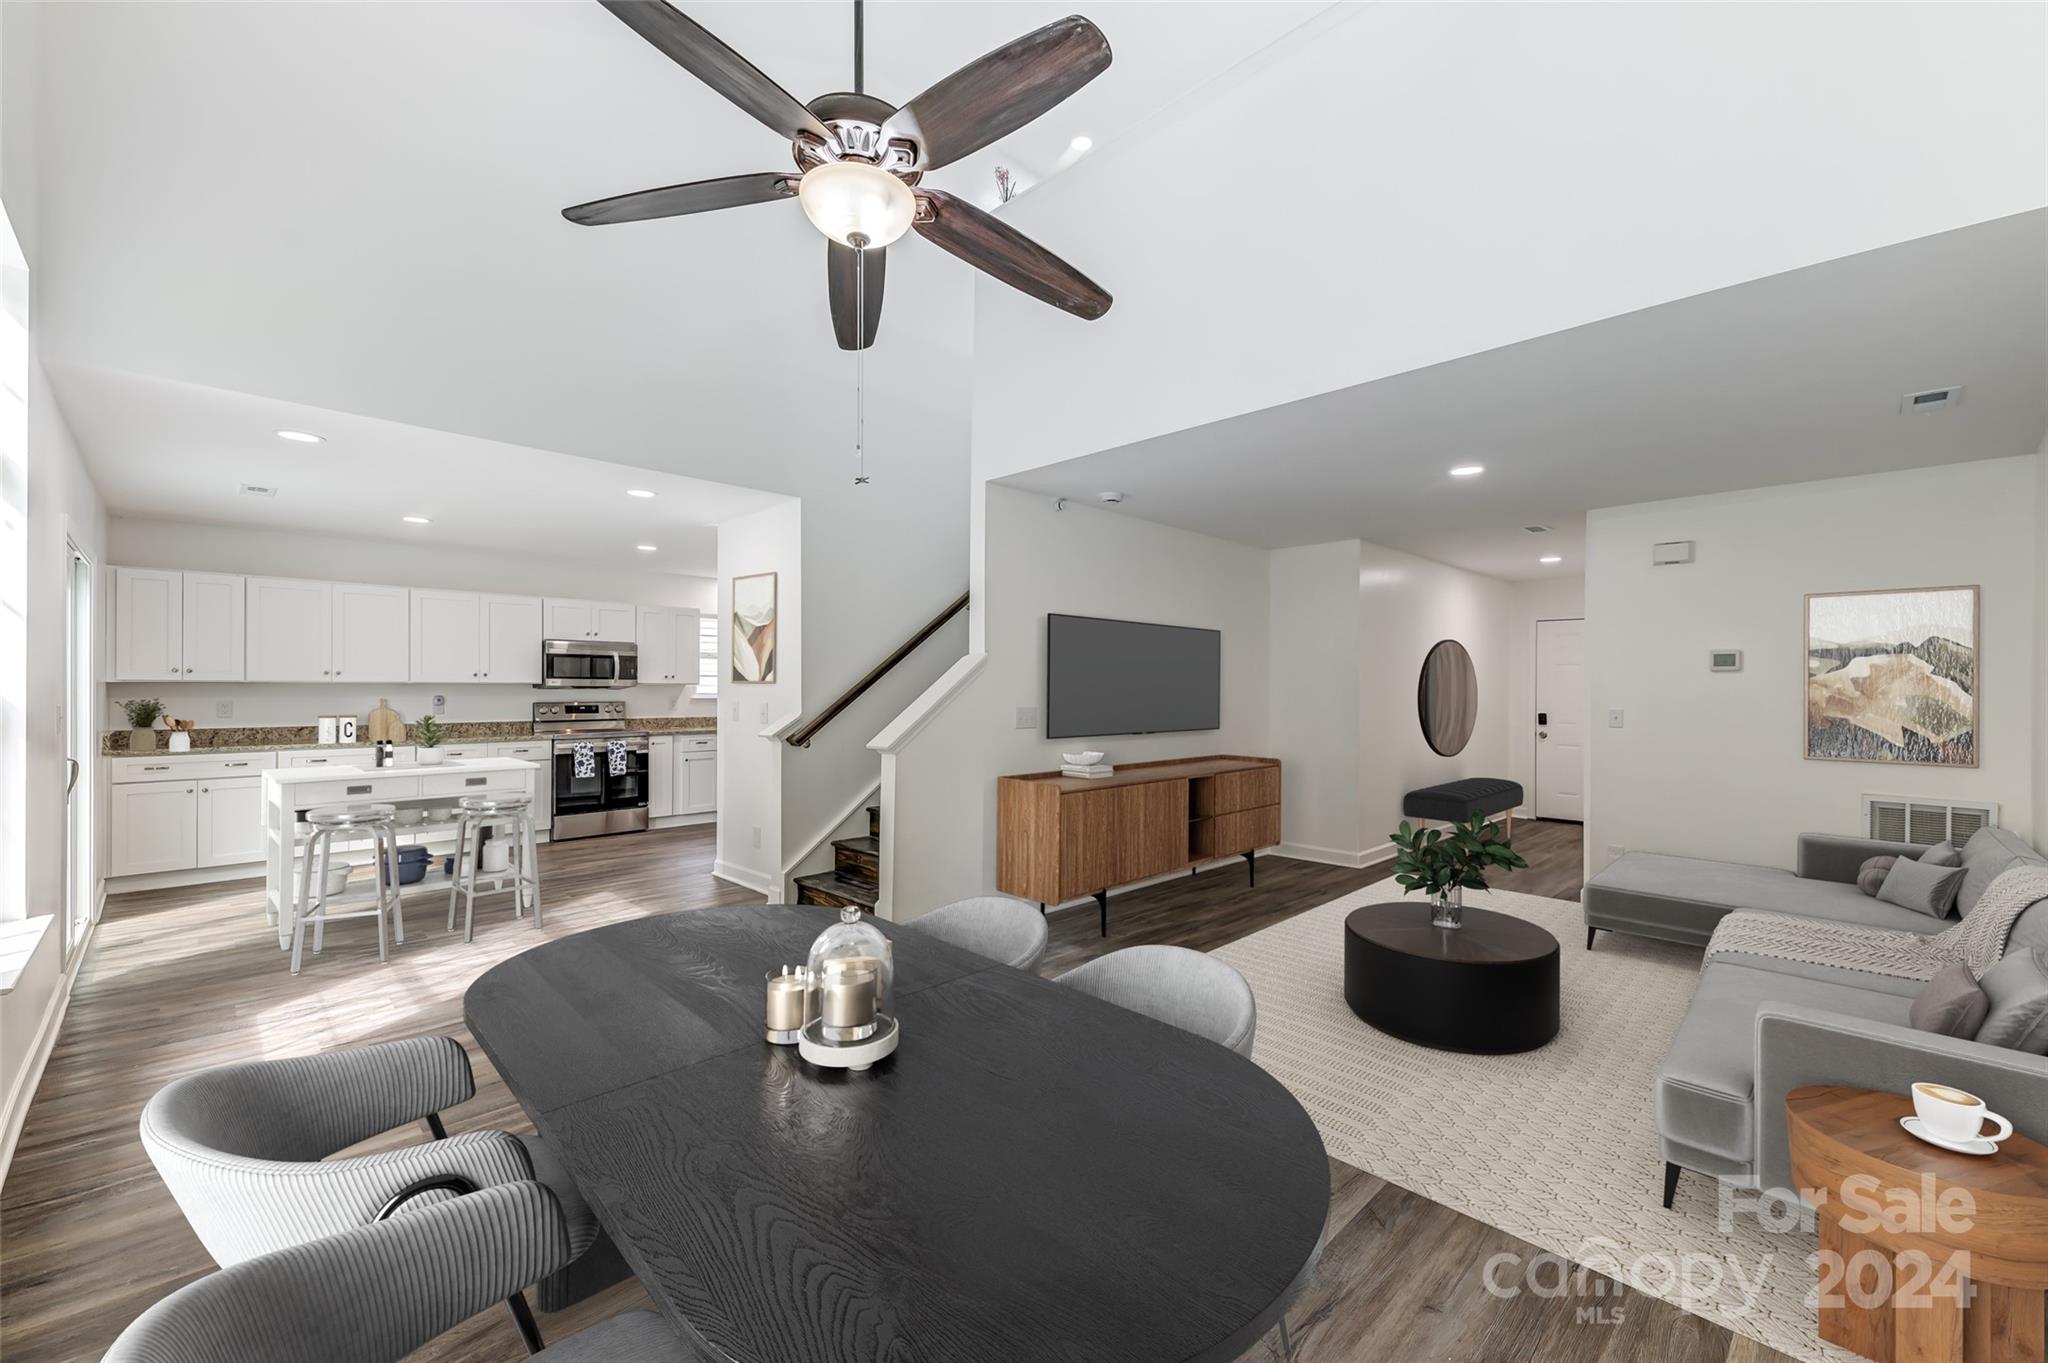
{"x": 1614, "y": 719}
{"x": 440, "y": 704}
{"x": 1027, "y": 716}
{"x": 757, "y": 835}
{"x": 223, "y": 709}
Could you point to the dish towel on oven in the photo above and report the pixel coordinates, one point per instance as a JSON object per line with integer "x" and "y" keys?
{"x": 615, "y": 757}
{"x": 585, "y": 759}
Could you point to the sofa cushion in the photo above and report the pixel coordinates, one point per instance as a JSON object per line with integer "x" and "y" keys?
{"x": 1952, "y": 1003}
{"x": 2017, "y": 988}
{"x": 1943, "y": 853}
{"x": 1922, "y": 888}
{"x": 1703, "y": 1091}
{"x": 1682, "y": 898}
{"x": 1988, "y": 852}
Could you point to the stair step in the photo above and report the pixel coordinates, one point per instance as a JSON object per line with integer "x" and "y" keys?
{"x": 836, "y": 891}
{"x": 858, "y": 859}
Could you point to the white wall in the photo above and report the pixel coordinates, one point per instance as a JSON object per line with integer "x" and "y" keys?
{"x": 1088, "y": 562}
{"x": 1562, "y": 598}
{"x": 2041, "y": 646}
{"x": 1312, "y": 678}
{"x": 750, "y": 767}
{"x": 1406, "y": 606}
{"x": 1712, "y": 764}
{"x": 136, "y": 543}
{"x": 1389, "y": 256}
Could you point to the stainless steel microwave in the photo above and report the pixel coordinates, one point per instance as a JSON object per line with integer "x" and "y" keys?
{"x": 588, "y": 664}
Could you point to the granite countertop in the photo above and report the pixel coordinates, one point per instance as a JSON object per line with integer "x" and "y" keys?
{"x": 454, "y": 734}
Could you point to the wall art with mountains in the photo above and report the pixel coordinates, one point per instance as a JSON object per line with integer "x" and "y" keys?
{"x": 1891, "y": 676}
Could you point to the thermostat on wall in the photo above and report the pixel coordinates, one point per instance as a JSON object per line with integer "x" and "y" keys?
{"x": 1671, "y": 551}
{"x": 1724, "y": 660}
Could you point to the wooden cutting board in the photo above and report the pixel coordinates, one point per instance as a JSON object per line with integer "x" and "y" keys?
{"x": 384, "y": 725}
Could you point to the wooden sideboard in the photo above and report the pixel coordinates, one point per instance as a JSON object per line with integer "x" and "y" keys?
{"x": 1061, "y": 837}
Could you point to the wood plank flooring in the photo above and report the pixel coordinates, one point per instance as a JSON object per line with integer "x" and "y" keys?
{"x": 181, "y": 979}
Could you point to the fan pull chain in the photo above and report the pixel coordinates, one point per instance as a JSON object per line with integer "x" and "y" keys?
{"x": 860, "y": 366}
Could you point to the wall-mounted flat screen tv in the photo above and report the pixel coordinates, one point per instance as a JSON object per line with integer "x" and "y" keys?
{"x": 1124, "y": 677}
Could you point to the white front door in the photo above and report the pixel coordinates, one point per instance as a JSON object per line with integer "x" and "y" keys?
{"x": 1561, "y": 719}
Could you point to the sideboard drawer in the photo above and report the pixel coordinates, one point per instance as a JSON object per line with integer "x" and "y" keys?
{"x": 1228, "y": 792}
{"x": 1227, "y": 835}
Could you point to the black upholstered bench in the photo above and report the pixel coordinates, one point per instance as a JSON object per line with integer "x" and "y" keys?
{"x": 1457, "y": 801}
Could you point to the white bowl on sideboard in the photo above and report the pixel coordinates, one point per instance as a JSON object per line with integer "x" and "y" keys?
{"x": 1080, "y": 759}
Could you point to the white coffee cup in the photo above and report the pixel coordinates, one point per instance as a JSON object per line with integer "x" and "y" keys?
{"x": 1954, "y": 1115}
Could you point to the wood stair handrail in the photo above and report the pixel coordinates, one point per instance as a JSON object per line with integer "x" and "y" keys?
{"x": 802, "y": 737}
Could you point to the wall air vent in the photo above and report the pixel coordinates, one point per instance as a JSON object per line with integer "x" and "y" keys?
{"x": 258, "y": 490}
{"x": 1931, "y": 400}
{"x": 1900, "y": 818}
{"x": 1537, "y": 529}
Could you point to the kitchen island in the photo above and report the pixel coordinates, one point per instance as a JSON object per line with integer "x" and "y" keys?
{"x": 289, "y": 792}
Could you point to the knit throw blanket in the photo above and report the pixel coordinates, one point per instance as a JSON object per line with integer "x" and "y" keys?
{"x": 1978, "y": 941}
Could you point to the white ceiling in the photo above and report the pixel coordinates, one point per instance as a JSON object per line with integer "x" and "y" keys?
{"x": 174, "y": 451}
{"x": 1781, "y": 380}
{"x": 356, "y": 207}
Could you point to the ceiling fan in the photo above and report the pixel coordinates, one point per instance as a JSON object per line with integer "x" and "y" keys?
{"x": 859, "y": 159}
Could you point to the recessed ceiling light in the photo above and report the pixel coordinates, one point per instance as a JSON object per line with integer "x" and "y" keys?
{"x": 1551, "y": 558}
{"x": 638, "y": 492}
{"x": 416, "y": 520}
{"x": 1468, "y": 470}
{"x": 644, "y": 548}
{"x": 303, "y": 437}
{"x": 1082, "y": 143}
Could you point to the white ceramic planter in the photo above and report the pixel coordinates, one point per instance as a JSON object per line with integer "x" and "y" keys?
{"x": 429, "y": 757}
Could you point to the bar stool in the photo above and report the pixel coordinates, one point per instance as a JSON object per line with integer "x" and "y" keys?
{"x": 475, "y": 813}
{"x": 347, "y": 821}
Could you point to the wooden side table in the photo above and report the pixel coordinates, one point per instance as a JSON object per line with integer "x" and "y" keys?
{"x": 1926, "y": 1256}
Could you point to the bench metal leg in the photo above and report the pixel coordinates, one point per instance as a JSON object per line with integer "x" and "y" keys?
{"x": 1671, "y": 1172}
{"x": 1590, "y": 933}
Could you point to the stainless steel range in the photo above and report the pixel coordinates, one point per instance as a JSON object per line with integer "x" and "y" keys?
{"x": 600, "y": 766}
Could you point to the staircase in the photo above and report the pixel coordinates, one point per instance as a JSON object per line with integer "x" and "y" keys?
{"x": 856, "y": 875}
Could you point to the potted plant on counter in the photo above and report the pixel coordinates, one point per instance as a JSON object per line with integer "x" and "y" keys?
{"x": 426, "y": 737}
{"x": 142, "y": 717}
{"x": 1446, "y": 862}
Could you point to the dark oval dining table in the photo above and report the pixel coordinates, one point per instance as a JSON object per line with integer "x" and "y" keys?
{"x": 1035, "y": 1174}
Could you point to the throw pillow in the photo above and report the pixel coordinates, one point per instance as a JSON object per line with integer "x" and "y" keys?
{"x": 1921, "y": 888}
{"x": 1870, "y": 875}
{"x": 1941, "y": 854}
{"x": 1952, "y": 1003}
{"x": 2018, "y": 990}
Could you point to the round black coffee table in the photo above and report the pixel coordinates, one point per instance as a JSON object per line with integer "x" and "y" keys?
{"x": 1489, "y": 986}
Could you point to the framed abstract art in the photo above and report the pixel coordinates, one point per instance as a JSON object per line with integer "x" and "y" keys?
{"x": 1891, "y": 676}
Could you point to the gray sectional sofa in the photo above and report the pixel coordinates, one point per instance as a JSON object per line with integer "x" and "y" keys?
{"x": 1759, "y": 1026}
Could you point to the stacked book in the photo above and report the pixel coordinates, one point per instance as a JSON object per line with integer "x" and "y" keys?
{"x": 1089, "y": 773}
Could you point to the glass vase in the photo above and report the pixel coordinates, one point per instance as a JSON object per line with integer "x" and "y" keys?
{"x": 1447, "y": 909}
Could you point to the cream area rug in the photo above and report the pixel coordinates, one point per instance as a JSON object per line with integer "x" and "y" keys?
{"x": 1557, "y": 1146}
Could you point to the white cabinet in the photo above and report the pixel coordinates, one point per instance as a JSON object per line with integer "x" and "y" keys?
{"x": 661, "y": 777}
{"x": 509, "y": 639}
{"x": 153, "y": 828}
{"x": 173, "y": 626}
{"x": 696, "y": 789}
{"x": 227, "y": 821}
{"x": 612, "y": 621}
{"x": 372, "y": 632}
{"x": 291, "y": 630}
{"x": 445, "y": 637}
{"x": 668, "y": 644}
{"x": 542, "y": 755}
{"x": 214, "y": 626}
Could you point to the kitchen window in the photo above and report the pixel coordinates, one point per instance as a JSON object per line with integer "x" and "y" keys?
{"x": 707, "y": 656}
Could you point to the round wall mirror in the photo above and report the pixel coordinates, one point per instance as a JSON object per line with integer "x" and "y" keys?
{"x": 1448, "y": 698}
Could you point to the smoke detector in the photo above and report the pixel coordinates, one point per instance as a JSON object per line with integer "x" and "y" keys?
{"x": 258, "y": 490}
{"x": 1931, "y": 400}
{"x": 1111, "y": 498}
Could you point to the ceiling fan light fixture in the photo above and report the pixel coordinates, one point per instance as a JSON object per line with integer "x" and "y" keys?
{"x": 848, "y": 199}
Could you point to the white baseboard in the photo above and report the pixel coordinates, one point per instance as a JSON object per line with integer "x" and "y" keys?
{"x": 23, "y": 1093}
{"x": 747, "y": 879}
{"x": 1331, "y": 856}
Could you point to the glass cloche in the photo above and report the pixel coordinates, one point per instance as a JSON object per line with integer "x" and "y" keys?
{"x": 851, "y": 950}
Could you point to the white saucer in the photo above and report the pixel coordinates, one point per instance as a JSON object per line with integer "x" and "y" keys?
{"x": 1979, "y": 1146}
{"x": 813, "y": 1046}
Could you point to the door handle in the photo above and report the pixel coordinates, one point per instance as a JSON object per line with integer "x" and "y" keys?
{"x": 71, "y": 781}
{"x": 1543, "y": 733}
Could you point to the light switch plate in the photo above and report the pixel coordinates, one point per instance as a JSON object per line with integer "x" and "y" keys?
{"x": 223, "y": 709}
{"x": 1614, "y": 719}
{"x": 764, "y": 712}
{"x": 1027, "y": 716}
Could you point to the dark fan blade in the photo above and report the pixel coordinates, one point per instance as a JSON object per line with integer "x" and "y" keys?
{"x": 699, "y": 196}
{"x": 691, "y": 46}
{"x": 994, "y": 248}
{"x": 995, "y": 95}
{"x": 843, "y": 282}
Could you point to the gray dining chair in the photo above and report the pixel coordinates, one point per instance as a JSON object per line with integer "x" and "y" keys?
{"x": 244, "y": 1151}
{"x": 1192, "y": 991}
{"x": 992, "y": 925}
{"x": 376, "y": 1293}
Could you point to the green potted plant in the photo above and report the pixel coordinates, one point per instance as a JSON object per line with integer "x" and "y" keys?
{"x": 426, "y": 737}
{"x": 1446, "y": 862}
{"x": 142, "y": 718}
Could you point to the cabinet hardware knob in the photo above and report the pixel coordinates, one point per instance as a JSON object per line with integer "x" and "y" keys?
{"x": 188, "y": 790}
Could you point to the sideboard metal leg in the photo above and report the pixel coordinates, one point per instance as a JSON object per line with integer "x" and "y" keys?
{"x": 1102, "y": 907}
